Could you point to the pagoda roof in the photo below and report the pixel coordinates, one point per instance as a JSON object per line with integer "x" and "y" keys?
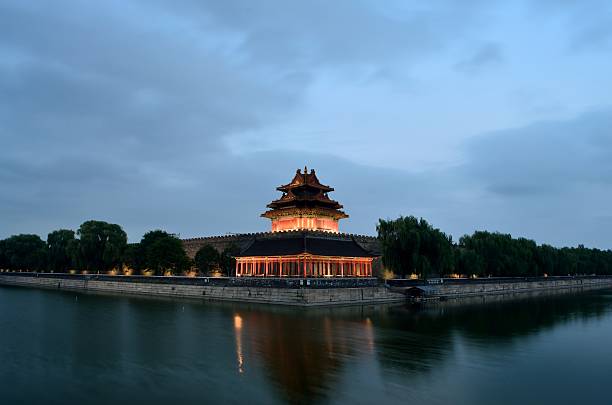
{"x": 305, "y": 179}
{"x": 305, "y": 191}
{"x": 305, "y": 244}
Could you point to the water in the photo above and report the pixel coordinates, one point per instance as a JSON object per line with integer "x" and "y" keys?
{"x": 65, "y": 347}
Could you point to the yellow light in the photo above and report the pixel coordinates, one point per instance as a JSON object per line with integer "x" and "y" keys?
{"x": 237, "y": 331}
{"x": 237, "y": 322}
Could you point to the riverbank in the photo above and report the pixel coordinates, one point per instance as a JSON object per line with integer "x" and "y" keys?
{"x": 303, "y": 292}
{"x": 293, "y": 292}
{"x": 443, "y": 289}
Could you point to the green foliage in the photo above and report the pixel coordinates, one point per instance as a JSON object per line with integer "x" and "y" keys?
{"x": 59, "y": 245}
{"x": 163, "y": 252}
{"x": 227, "y": 259}
{"x": 4, "y": 260}
{"x": 497, "y": 254}
{"x": 411, "y": 245}
{"x": 134, "y": 258}
{"x": 100, "y": 246}
{"x": 206, "y": 259}
{"x": 24, "y": 252}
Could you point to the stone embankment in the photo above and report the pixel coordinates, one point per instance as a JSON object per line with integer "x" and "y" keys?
{"x": 302, "y": 292}
{"x": 197, "y": 288}
{"x": 459, "y": 288}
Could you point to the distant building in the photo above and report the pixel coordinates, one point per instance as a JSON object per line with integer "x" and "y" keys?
{"x": 304, "y": 241}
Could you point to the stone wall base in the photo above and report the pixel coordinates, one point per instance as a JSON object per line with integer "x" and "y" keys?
{"x": 265, "y": 295}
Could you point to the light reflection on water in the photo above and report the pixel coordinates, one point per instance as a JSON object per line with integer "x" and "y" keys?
{"x": 100, "y": 349}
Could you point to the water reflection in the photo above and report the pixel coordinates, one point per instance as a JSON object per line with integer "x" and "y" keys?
{"x": 303, "y": 355}
{"x": 238, "y": 333}
{"x": 306, "y": 356}
{"x": 117, "y": 349}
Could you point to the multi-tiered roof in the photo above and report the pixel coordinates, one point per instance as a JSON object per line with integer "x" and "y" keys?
{"x": 305, "y": 195}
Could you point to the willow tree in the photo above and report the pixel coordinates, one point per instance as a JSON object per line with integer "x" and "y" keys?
{"x": 58, "y": 250}
{"x": 100, "y": 246}
{"x": 411, "y": 245}
{"x": 24, "y": 252}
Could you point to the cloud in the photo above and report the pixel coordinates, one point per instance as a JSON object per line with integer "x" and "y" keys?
{"x": 486, "y": 56}
{"x": 587, "y": 25}
{"x": 138, "y": 114}
{"x": 107, "y": 107}
{"x": 548, "y": 157}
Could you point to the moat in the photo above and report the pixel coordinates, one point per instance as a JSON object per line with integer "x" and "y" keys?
{"x": 65, "y": 347}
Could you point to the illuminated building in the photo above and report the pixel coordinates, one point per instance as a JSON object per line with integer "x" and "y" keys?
{"x": 305, "y": 240}
{"x": 305, "y": 205}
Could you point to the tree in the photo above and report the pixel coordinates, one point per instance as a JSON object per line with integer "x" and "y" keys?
{"x": 25, "y": 252}
{"x": 206, "y": 259}
{"x": 411, "y": 245}
{"x": 100, "y": 246}
{"x": 58, "y": 250}
{"x": 164, "y": 252}
{"x": 227, "y": 260}
{"x": 468, "y": 262}
{"x": 134, "y": 258}
{"x": 4, "y": 261}
{"x": 400, "y": 244}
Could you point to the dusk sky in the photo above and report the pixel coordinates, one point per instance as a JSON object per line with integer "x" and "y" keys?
{"x": 185, "y": 115}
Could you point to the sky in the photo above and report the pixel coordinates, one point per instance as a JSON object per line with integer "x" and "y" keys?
{"x": 186, "y": 115}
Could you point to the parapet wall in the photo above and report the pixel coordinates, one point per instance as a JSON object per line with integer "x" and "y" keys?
{"x": 297, "y": 292}
{"x": 467, "y": 288}
{"x": 242, "y": 241}
{"x": 267, "y": 295}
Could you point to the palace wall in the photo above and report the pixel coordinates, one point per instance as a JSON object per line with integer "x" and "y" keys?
{"x": 469, "y": 288}
{"x": 297, "y": 292}
{"x": 264, "y": 295}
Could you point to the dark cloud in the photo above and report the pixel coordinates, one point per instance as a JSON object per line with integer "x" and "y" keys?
{"x": 110, "y": 109}
{"x": 588, "y": 24}
{"x": 122, "y": 112}
{"x": 551, "y": 157}
{"x": 323, "y": 34}
{"x": 549, "y": 181}
{"x": 487, "y": 55}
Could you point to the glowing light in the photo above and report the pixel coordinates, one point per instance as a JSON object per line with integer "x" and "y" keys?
{"x": 293, "y": 223}
{"x": 237, "y": 322}
{"x": 388, "y": 274}
{"x": 369, "y": 334}
{"x": 239, "y": 353}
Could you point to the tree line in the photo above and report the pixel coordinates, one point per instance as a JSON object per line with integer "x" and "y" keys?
{"x": 102, "y": 247}
{"x": 413, "y": 246}
{"x": 409, "y": 246}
